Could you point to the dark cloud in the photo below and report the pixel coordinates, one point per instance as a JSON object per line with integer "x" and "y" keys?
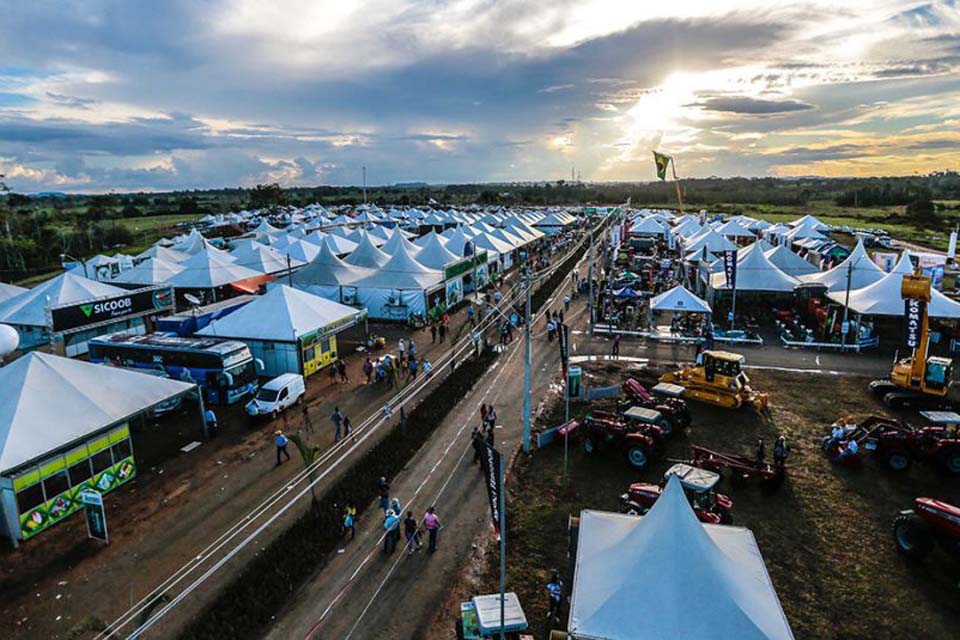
{"x": 71, "y": 101}
{"x": 751, "y": 106}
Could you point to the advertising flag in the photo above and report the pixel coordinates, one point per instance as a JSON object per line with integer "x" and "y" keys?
{"x": 662, "y": 161}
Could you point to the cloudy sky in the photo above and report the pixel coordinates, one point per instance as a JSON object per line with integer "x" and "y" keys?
{"x": 102, "y": 95}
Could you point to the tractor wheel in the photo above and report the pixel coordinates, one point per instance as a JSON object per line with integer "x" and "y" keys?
{"x": 894, "y": 400}
{"x": 950, "y": 461}
{"x": 911, "y": 536}
{"x": 897, "y": 460}
{"x": 589, "y": 446}
{"x": 726, "y": 517}
{"x": 637, "y": 457}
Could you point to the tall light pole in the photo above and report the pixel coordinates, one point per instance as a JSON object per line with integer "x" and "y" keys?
{"x": 64, "y": 257}
{"x": 527, "y": 362}
{"x": 364, "y": 184}
{"x": 590, "y": 282}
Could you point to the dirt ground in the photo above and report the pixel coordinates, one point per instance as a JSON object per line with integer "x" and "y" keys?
{"x": 825, "y": 534}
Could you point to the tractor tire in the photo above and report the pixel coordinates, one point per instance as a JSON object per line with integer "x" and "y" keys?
{"x": 882, "y": 387}
{"x": 589, "y": 446}
{"x": 911, "y": 536}
{"x": 950, "y": 461}
{"x": 633, "y": 509}
{"x": 897, "y": 460}
{"x": 638, "y": 457}
{"x": 726, "y": 517}
{"x": 894, "y": 400}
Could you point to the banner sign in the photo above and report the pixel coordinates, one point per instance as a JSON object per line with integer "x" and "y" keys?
{"x": 574, "y": 382}
{"x": 932, "y": 266}
{"x": 913, "y": 322}
{"x": 563, "y": 341}
{"x": 78, "y": 316}
{"x": 94, "y": 514}
{"x": 491, "y": 473}
{"x": 885, "y": 260}
{"x": 730, "y": 268}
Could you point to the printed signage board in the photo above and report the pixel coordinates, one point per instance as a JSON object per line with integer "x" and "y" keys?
{"x": 74, "y": 317}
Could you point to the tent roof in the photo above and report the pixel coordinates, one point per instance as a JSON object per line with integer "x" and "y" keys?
{"x": 205, "y": 270}
{"x": 734, "y": 229}
{"x": 260, "y": 257}
{"x": 194, "y": 243}
{"x": 327, "y": 269}
{"x": 427, "y": 239}
{"x": 810, "y": 222}
{"x": 804, "y": 233}
{"x": 397, "y": 238}
{"x": 29, "y": 307}
{"x": 865, "y": 272}
{"x": 679, "y": 299}
{"x": 756, "y": 273}
{"x": 279, "y": 315}
{"x": 367, "y": 254}
{"x": 434, "y": 254}
{"x": 666, "y": 575}
{"x": 882, "y": 298}
{"x": 789, "y": 262}
{"x": 457, "y": 240}
{"x": 8, "y": 291}
{"x": 402, "y": 271}
{"x": 648, "y": 225}
{"x": 158, "y": 251}
{"x": 710, "y": 239}
{"x": 339, "y": 244}
{"x": 150, "y": 271}
{"x": 89, "y": 397}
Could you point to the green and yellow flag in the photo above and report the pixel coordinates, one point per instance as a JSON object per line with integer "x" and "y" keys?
{"x": 662, "y": 161}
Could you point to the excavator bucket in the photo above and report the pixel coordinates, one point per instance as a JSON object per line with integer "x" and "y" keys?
{"x": 915, "y": 287}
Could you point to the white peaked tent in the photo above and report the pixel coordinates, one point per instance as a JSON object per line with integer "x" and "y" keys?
{"x": 327, "y": 275}
{"x": 315, "y": 237}
{"x": 679, "y": 299}
{"x": 340, "y": 245}
{"x": 301, "y": 251}
{"x": 789, "y": 262}
{"x": 649, "y": 226}
{"x": 206, "y": 270}
{"x": 265, "y": 227}
{"x": 29, "y": 309}
{"x": 865, "y": 272}
{"x": 398, "y": 239}
{"x": 8, "y": 291}
{"x": 150, "y": 271}
{"x": 398, "y": 288}
{"x": 666, "y": 575}
{"x": 734, "y": 229}
{"x": 882, "y": 298}
{"x": 433, "y": 254}
{"x": 810, "y": 222}
{"x": 709, "y": 238}
{"x": 194, "y": 243}
{"x": 367, "y": 254}
{"x": 756, "y": 273}
{"x": 260, "y": 257}
{"x": 380, "y": 234}
{"x": 158, "y": 251}
{"x": 458, "y": 240}
{"x": 804, "y": 233}
{"x": 688, "y": 228}
{"x": 428, "y": 239}
{"x": 89, "y": 398}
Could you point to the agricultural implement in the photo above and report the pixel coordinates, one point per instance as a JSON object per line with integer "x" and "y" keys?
{"x": 740, "y": 468}
{"x": 699, "y": 485}
{"x": 665, "y": 398}
{"x": 897, "y": 444}
{"x": 639, "y": 439}
{"x": 916, "y": 530}
{"x": 719, "y": 381}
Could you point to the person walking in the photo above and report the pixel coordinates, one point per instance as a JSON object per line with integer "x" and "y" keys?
{"x": 383, "y": 491}
{"x": 443, "y": 332}
{"x": 496, "y": 296}
{"x": 432, "y": 524}
{"x": 391, "y": 524}
{"x": 616, "y": 346}
{"x": 473, "y": 321}
{"x": 412, "y": 532}
{"x": 333, "y": 373}
{"x": 368, "y": 369}
{"x": 491, "y": 416}
{"x": 761, "y": 451}
{"x": 412, "y": 349}
{"x": 400, "y": 348}
{"x": 780, "y": 451}
{"x": 483, "y": 413}
{"x": 337, "y": 418}
{"x": 566, "y": 304}
{"x": 213, "y": 426}
{"x": 342, "y": 370}
{"x": 555, "y": 592}
{"x": 350, "y": 521}
{"x": 281, "y": 441}
{"x": 427, "y": 369}
{"x": 476, "y": 439}
{"x": 433, "y": 332}
{"x": 412, "y": 370}
{"x": 346, "y": 427}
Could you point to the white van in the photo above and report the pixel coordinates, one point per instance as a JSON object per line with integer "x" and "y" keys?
{"x": 283, "y": 391}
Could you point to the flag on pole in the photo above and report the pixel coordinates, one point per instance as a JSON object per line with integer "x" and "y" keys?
{"x": 662, "y": 161}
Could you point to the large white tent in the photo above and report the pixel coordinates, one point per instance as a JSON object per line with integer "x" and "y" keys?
{"x": 398, "y": 239}
{"x": 733, "y": 228}
{"x": 810, "y": 222}
{"x": 398, "y": 288}
{"x": 709, "y": 239}
{"x": 265, "y": 259}
{"x": 756, "y": 273}
{"x": 150, "y": 271}
{"x": 649, "y": 226}
{"x": 679, "y": 299}
{"x": 8, "y": 291}
{"x": 858, "y": 266}
{"x": 666, "y": 575}
{"x": 789, "y": 262}
{"x": 29, "y": 308}
{"x": 289, "y": 330}
{"x": 434, "y": 254}
{"x": 882, "y": 298}
{"x": 159, "y": 251}
{"x": 329, "y": 276}
{"x": 209, "y": 269}
{"x": 367, "y": 254}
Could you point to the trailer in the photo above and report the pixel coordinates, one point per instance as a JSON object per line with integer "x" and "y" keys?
{"x": 739, "y": 467}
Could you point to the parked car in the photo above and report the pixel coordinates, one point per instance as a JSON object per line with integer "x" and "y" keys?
{"x": 276, "y": 395}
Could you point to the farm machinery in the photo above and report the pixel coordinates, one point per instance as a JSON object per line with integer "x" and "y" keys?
{"x": 720, "y": 381}
{"x": 918, "y": 380}
{"x": 639, "y": 436}
{"x": 699, "y": 485}
{"x": 739, "y": 468}
{"x": 916, "y": 530}
{"x": 897, "y": 444}
{"x": 664, "y": 397}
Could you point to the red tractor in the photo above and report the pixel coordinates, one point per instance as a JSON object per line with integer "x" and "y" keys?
{"x": 897, "y": 444}
{"x": 916, "y": 530}
{"x": 639, "y": 439}
{"x": 665, "y": 398}
{"x": 698, "y": 484}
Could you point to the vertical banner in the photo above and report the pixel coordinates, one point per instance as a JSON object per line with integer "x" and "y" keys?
{"x": 491, "y": 473}
{"x": 913, "y": 322}
{"x": 730, "y": 268}
{"x": 563, "y": 341}
{"x": 94, "y": 514}
{"x": 952, "y": 246}
{"x": 574, "y": 382}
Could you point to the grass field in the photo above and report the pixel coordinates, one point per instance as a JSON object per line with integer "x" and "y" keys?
{"x": 825, "y": 534}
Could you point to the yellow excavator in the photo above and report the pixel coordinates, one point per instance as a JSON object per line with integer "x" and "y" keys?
{"x": 720, "y": 381}
{"x": 918, "y": 380}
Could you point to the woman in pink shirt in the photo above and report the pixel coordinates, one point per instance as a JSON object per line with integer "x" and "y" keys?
{"x": 432, "y": 524}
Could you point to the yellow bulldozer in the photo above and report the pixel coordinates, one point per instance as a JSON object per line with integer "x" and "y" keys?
{"x": 917, "y": 380}
{"x": 719, "y": 380}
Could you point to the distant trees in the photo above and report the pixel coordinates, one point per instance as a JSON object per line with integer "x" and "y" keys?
{"x": 266, "y": 195}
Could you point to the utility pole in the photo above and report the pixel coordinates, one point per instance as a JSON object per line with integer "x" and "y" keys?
{"x": 364, "y": 184}
{"x": 289, "y": 271}
{"x": 503, "y": 543}
{"x": 527, "y": 362}
{"x": 846, "y": 309}
{"x": 590, "y": 282}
